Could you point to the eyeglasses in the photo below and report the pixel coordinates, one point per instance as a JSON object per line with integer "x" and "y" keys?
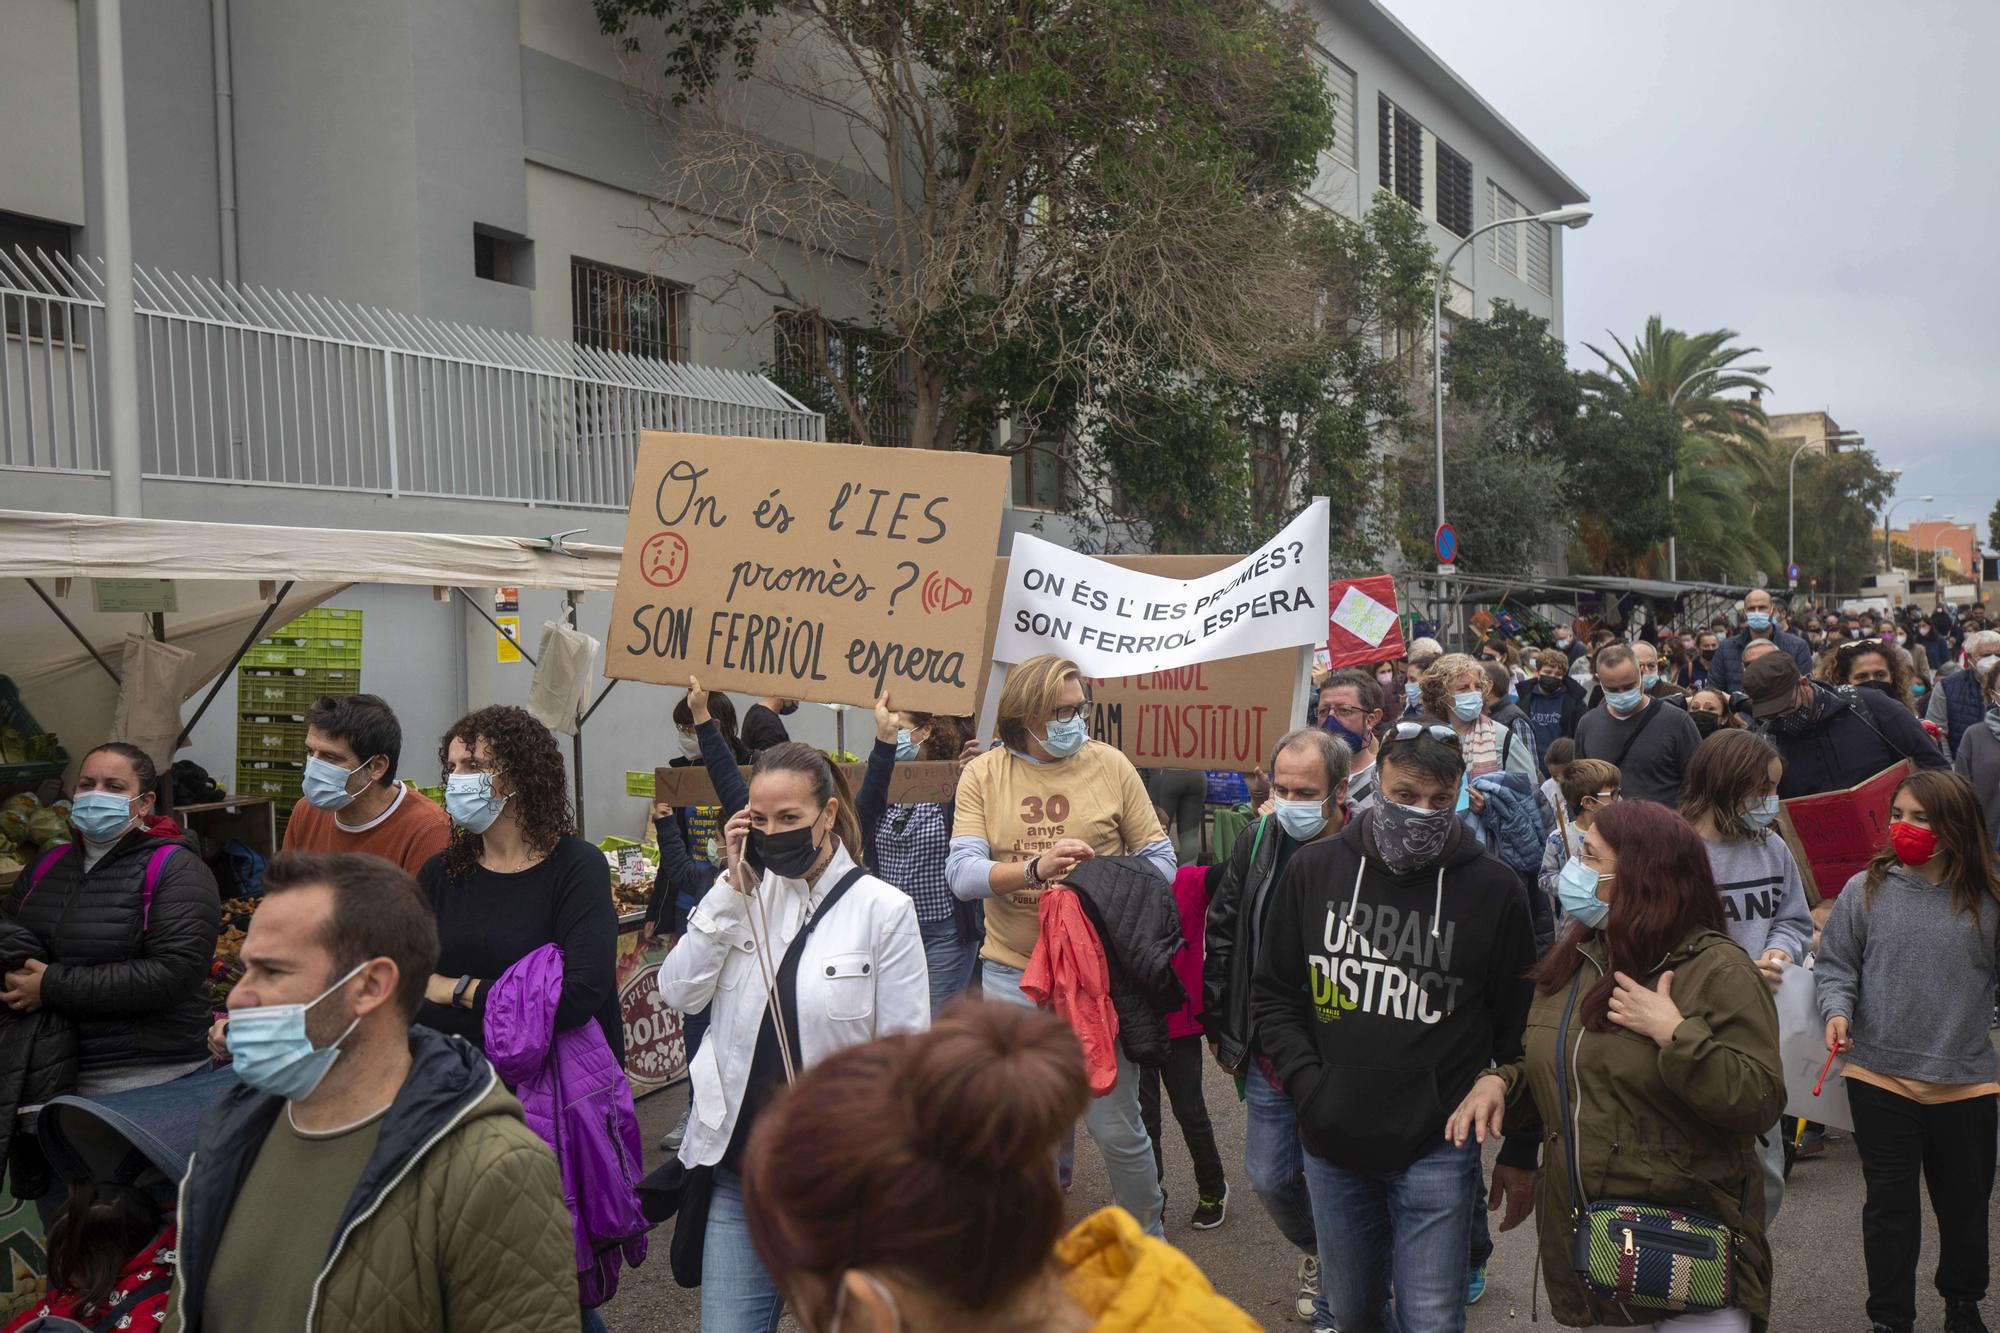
{"x": 1071, "y": 712}
{"x": 1409, "y": 731}
{"x": 1606, "y": 797}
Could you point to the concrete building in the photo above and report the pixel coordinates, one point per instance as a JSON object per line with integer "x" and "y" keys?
{"x": 1816, "y": 432}
{"x": 484, "y": 163}
{"x": 1950, "y": 547}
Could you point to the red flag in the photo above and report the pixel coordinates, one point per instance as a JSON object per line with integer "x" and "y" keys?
{"x": 1363, "y": 625}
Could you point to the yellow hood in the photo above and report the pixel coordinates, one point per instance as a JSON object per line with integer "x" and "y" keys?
{"x": 1129, "y": 1281}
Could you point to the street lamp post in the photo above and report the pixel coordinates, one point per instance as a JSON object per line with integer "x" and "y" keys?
{"x": 1673, "y": 470}
{"x": 1888, "y": 560}
{"x": 1560, "y": 217}
{"x": 1791, "y": 487}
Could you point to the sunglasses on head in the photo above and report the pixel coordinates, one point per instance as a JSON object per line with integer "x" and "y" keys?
{"x": 1409, "y": 731}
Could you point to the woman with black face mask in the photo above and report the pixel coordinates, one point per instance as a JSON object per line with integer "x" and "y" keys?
{"x": 794, "y": 954}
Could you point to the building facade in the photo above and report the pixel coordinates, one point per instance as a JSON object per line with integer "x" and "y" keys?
{"x": 467, "y": 184}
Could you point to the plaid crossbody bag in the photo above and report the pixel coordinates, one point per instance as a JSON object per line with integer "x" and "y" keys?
{"x": 1643, "y": 1255}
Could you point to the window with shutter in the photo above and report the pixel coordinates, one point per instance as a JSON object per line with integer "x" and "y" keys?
{"x": 1385, "y": 156}
{"x": 622, "y": 311}
{"x": 1540, "y": 260}
{"x": 1503, "y": 243}
{"x": 1409, "y": 159}
{"x": 1454, "y": 191}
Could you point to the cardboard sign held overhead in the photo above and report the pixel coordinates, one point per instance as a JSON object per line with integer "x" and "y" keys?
{"x": 1363, "y": 627}
{"x": 830, "y": 572}
{"x": 1216, "y": 715}
{"x": 916, "y": 782}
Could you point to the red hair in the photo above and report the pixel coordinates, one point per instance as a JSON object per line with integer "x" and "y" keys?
{"x": 927, "y": 1155}
{"x": 1664, "y": 891}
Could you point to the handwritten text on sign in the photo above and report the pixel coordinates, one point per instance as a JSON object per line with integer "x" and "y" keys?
{"x": 1118, "y": 622}
{"x": 829, "y": 572}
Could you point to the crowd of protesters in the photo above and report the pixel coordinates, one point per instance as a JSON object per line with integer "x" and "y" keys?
{"x": 1529, "y": 895}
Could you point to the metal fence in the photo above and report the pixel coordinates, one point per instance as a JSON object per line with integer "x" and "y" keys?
{"x": 240, "y": 383}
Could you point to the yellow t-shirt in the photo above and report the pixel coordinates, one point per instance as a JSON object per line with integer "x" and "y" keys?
{"x": 1020, "y": 809}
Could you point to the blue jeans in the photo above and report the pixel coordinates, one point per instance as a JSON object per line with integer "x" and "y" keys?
{"x": 1113, "y": 1121}
{"x": 950, "y": 961}
{"x": 1402, "y": 1235}
{"x": 737, "y": 1295}
{"x": 1482, "y": 1234}
{"x": 1276, "y": 1165}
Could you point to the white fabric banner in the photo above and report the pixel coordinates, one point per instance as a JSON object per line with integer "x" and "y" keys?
{"x": 1802, "y": 1052}
{"x": 1119, "y": 622}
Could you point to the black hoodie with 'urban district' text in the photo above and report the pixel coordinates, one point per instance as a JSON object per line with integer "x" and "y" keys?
{"x": 1380, "y": 1002}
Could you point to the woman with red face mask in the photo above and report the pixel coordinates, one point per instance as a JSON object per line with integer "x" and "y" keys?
{"x": 1905, "y": 984}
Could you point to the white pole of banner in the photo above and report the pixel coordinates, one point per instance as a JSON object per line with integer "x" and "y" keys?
{"x": 989, "y": 704}
{"x": 1304, "y": 690}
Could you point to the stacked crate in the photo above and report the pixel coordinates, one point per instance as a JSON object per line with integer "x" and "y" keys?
{"x": 316, "y": 653}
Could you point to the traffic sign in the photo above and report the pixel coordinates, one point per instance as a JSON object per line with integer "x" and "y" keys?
{"x": 1446, "y": 544}
{"x": 1792, "y": 573}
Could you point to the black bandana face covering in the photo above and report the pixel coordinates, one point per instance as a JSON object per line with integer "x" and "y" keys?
{"x": 1409, "y": 838}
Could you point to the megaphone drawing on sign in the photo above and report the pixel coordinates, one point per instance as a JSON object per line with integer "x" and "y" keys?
{"x": 942, "y": 593}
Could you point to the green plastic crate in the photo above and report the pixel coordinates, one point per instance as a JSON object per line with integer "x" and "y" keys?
{"x": 275, "y": 739}
{"x": 269, "y": 779}
{"x": 289, "y": 691}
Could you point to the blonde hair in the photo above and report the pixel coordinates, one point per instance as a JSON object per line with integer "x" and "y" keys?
{"x": 1435, "y": 683}
{"x": 1030, "y": 695}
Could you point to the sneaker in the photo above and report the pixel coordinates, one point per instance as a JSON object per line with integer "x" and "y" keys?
{"x": 671, "y": 1140}
{"x": 1308, "y": 1285}
{"x": 1963, "y": 1317}
{"x": 1208, "y": 1212}
{"x": 1475, "y": 1285}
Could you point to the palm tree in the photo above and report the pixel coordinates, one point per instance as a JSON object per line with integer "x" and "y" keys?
{"x": 1715, "y": 514}
{"x": 1690, "y": 371}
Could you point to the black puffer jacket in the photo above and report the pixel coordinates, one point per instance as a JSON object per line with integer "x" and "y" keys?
{"x": 138, "y": 994}
{"x": 1136, "y": 920}
{"x": 1853, "y": 735}
{"x": 37, "y": 1062}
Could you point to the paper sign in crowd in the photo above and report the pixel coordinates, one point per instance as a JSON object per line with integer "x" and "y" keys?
{"x": 808, "y": 571}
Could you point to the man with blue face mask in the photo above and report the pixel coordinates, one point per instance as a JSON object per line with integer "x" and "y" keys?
{"x": 1309, "y": 787}
{"x": 352, "y": 800}
{"x": 1759, "y": 622}
{"x": 1650, "y": 743}
{"x": 376, "y": 1174}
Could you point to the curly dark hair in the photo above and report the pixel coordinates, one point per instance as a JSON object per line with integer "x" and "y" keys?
{"x": 521, "y": 749}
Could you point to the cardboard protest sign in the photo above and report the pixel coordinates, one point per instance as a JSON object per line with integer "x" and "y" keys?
{"x": 917, "y": 782}
{"x": 1114, "y": 621}
{"x": 1835, "y": 834}
{"x": 829, "y": 572}
{"x": 1802, "y": 1053}
{"x": 1363, "y": 627}
{"x": 1214, "y": 715}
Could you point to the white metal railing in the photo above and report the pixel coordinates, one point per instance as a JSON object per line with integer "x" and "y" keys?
{"x": 241, "y": 383}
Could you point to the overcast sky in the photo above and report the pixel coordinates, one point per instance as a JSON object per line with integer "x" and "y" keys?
{"x": 1821, "y": 175}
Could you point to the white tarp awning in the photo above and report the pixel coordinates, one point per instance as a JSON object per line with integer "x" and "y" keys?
{"x": 53, "y": 546}
{"x": 225, "y": 574}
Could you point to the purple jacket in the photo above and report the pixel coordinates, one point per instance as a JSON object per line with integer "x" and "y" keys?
{"x": 575, "y": 1096}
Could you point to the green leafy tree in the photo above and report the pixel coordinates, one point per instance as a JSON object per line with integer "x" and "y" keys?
{"x": 1993, "y": 527}
{"x": 1839, "y": 497}
{"x": 1715, "y": 517}
{"x": 1222, "y": 463}
{"x": 1040, "y": 205}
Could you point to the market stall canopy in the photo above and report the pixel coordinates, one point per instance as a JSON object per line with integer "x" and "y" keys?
{"x": 225, "y": 577}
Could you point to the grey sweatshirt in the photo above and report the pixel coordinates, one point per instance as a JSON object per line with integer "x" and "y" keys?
{"x": 1763, "y": 897}
{"x": 1913, "y": 979}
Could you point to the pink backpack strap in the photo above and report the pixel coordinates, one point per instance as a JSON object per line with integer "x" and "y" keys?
{"x": 43, "y": 866}
{"x": 155, "y": 863}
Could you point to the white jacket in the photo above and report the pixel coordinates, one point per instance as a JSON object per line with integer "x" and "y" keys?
{"x": 862, "y": 975}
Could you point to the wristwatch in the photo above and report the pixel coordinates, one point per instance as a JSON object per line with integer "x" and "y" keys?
{"x": 458, "y": 992}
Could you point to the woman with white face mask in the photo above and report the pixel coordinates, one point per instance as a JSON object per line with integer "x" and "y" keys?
{"x": 126, "y": 917}
{"x": 1029, "y": 811}
{"x": 795, "y": 953}
{"x": 1456, "y": 689}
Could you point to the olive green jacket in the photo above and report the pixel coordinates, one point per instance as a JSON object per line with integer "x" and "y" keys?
{"x": 1675, "y": 1125}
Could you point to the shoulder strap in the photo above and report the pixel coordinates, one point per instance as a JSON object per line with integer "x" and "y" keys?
{"x": 1859, "y": 707}
{"x": 788, "y": 966}
{"x": 1646, "y": 716}
{"x": 1562, "y": 1091}
{"x": 155, "y": 863}
{"x": 1258, "y": 840}
{"x": 43, "y": 866}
